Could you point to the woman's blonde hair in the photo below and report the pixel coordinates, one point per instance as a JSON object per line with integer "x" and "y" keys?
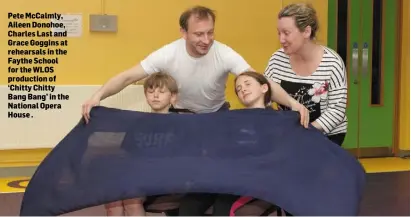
{"x": 304, "y": 15}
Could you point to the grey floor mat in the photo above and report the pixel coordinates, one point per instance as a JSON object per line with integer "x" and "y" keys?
{"x": 17, "y": 171}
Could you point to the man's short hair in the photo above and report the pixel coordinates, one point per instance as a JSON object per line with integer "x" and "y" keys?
{"x": 160, "y": 80}
{"x": 200, "y": 12}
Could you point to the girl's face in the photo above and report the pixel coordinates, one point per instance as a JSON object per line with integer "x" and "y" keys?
{"x": 250, "y": 92}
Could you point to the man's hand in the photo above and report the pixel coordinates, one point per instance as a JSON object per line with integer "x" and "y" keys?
{"x": 304, "y": 113}
{"x": 87, "y": 106}
{"x": 113, "y": 86}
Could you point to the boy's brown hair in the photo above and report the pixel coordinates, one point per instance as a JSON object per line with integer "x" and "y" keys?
{"x": 160, "y": 80}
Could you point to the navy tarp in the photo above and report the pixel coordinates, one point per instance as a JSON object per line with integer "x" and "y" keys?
{"x": 261, "y": 153}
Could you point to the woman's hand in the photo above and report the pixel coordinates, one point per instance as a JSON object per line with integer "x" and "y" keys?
{"x": 316, "y": 125}
{"x": 304, "y": 113}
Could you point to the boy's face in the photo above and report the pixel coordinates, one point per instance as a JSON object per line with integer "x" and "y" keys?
{"x": 160, "y": 99}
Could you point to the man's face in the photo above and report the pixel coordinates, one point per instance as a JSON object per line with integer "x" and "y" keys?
{"x": 199, "y": 36}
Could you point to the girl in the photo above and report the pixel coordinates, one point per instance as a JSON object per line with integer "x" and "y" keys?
{"x": 253, "y": 90}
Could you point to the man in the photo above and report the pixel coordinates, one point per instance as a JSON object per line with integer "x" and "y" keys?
{"x": 201, "y": 66}
{"x": 198, "y": 63}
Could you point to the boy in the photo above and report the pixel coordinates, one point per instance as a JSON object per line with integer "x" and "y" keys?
{"x": 161, "y": 92}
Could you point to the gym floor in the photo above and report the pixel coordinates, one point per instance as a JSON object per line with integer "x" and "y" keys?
{"x": 387, "y": 192}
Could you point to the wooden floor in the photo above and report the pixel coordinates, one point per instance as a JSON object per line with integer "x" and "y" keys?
{"x": 387, "y": 192}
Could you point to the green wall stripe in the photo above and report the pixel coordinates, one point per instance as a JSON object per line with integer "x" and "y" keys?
{"x": 332, "y": 24}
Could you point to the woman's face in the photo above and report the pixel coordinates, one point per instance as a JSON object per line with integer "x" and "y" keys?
{"x": 291, "y": 38}
{"x": 250, "y": 92}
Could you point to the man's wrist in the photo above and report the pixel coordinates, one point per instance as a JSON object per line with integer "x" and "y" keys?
{"x": 97, "y": 96}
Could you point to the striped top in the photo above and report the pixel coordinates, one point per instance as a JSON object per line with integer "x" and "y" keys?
{"x": 323, "y": 93}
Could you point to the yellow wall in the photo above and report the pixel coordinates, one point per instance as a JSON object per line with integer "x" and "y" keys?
{"x": 404, "y": 122}
{"x": 144, "y": 26}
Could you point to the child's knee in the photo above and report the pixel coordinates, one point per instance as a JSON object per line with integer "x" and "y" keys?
{"x": 134, "y": 201}
{"x": 114, "y": 208}
{"x": 114, "y": 204}
{"x": 134, "y": 207}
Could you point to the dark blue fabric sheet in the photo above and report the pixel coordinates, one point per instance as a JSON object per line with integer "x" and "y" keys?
{"x": 262, "y": 153}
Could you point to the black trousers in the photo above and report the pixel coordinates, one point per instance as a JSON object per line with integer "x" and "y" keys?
{"x": 197, "y": 204}
{"x": 337, "y": 138}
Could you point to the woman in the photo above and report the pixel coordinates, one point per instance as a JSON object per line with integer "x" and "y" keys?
{"x": 313, "y": 74}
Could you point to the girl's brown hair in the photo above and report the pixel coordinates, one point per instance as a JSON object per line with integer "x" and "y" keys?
{"x": 261, "y": 79}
